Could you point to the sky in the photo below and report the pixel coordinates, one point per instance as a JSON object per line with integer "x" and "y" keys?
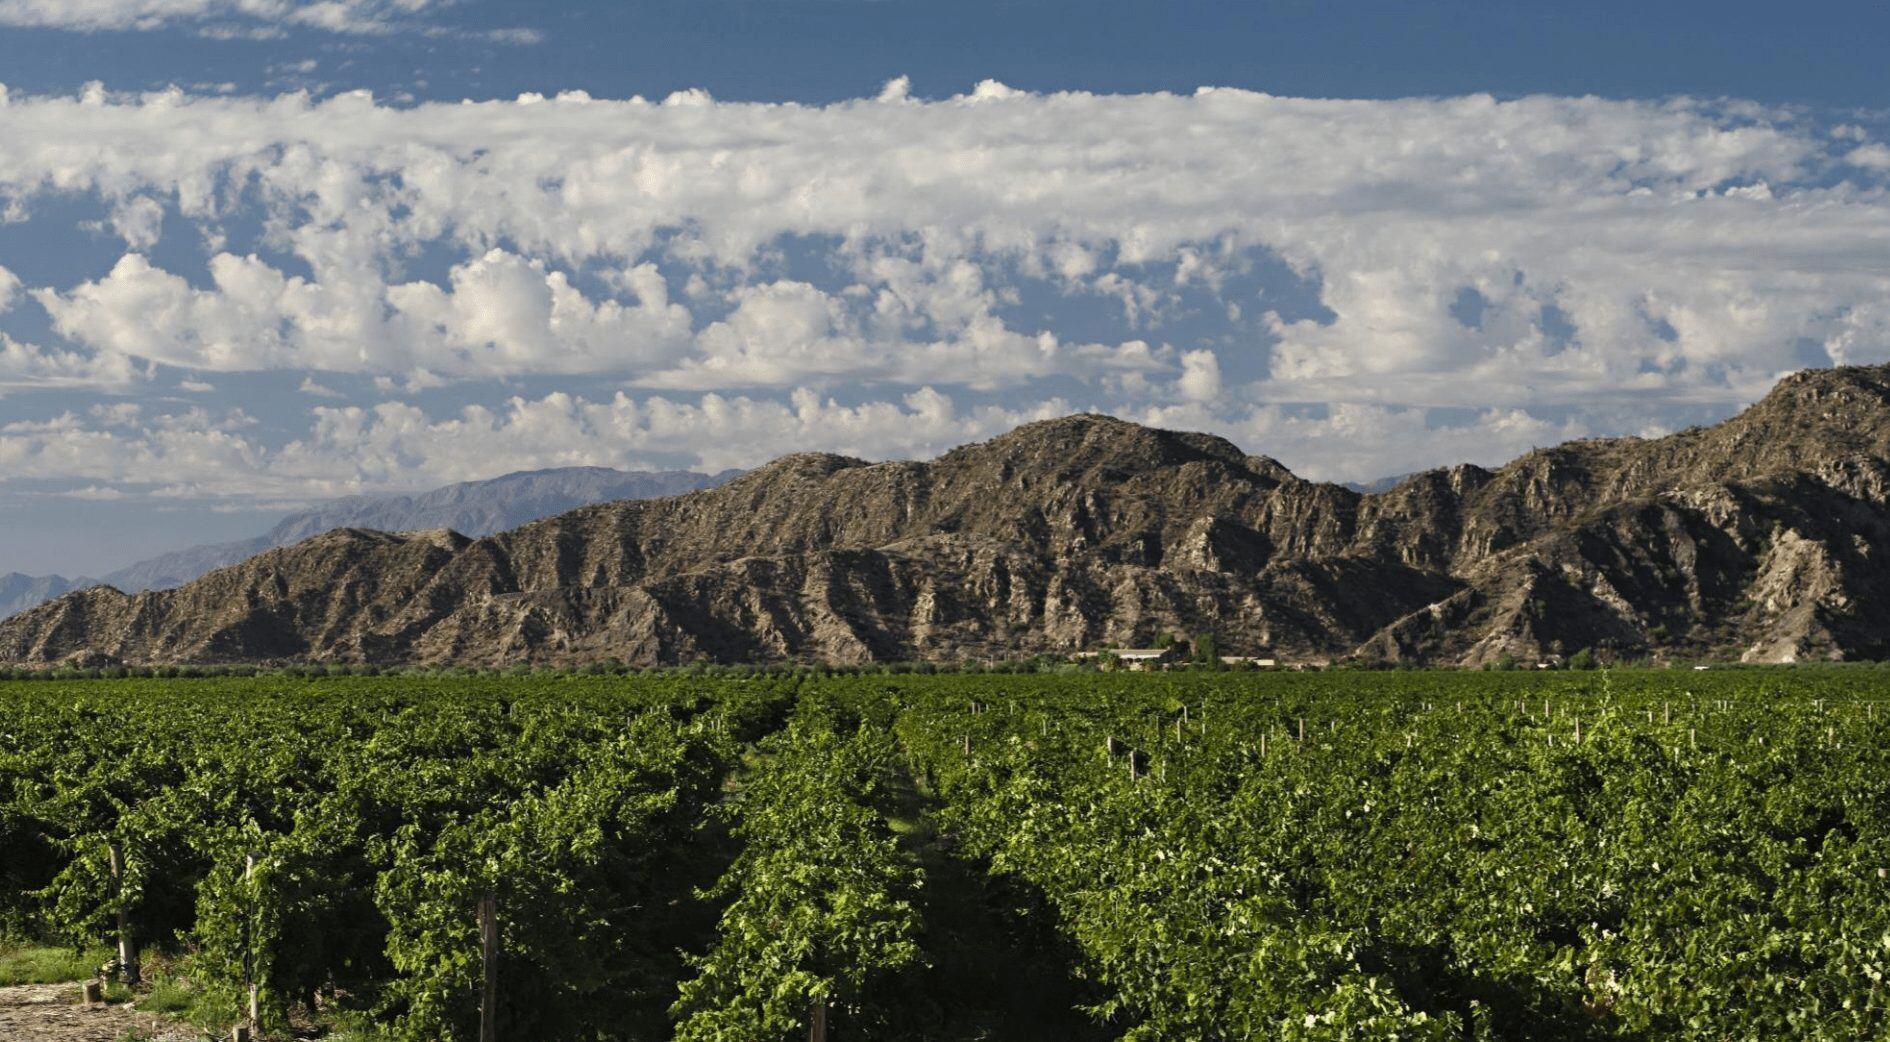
{"x": 259, "y": 253}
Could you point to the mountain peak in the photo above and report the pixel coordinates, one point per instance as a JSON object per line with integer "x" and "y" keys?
{"x": 1082, "y": 441}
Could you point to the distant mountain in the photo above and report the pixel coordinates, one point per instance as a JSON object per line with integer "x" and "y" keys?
{"x": 473, "y": 507}
{"x": 1372, "y": 488}
{"x": 1765, "y": 538}
{"x": 20, "y": 592}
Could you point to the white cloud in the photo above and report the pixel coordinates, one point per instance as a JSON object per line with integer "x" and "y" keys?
{"x": 896, "y": 89}
{"x": 1681, "y": 252}
{"x": 117, "y": 414}
{"x": 138, "y": 221}
{"x": 26, "y": 366}
{"x": 9, "y": 289}
{"x": 1353, "y": 442}
{"x": 1874, "y": 156}
{"x": 1673, "y": 238}
{"x": 315, "y": 390}
{"x": 500, "y": 314}
{"x": 96, "y": 493}
{"x": 229, "y": 19}
{"x": 1200, "y": 376}
{"x": 506, "y": 314}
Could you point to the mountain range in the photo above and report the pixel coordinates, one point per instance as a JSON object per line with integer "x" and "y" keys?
{"x": 473, "y": 507}
{"x": 1763, "y": 538}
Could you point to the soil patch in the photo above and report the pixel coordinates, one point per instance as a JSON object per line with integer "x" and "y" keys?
{"x": 52, "y": 1013}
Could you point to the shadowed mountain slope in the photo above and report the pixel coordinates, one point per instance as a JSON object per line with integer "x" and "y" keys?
{"x": 1763, "y": 537}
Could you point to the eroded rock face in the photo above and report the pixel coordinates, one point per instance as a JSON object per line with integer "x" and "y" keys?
{"x": 1761, "y": 537}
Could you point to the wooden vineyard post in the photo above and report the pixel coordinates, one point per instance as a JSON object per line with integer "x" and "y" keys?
{"x": 1578, "y": 730}
{"x": 1263, "y": 745}
{"x": 967, "y": 747}
{"x": 1132, "y": 774}
{"x": 817, "y": 1021}
{"x": 1302, "y": 730}
{"x": 1666, "y": 713}
{"x": 127, "y": 951}
{"x": 489, "y": 962}
{"x": 249, "y": 945}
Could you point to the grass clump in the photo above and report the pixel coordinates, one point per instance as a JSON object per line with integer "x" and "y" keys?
{"x": 169, "y": 997}
{"x": 26, "y": 963}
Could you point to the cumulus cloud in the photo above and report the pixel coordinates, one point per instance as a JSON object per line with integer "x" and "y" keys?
{"x": 499, "y": 314}
{"x": 138, "y": 221}
{"x": 316, "y": 390}
{"x": 1677, "y": 244}
{"x": 1200, "y": 376}
{"x": 257, "y": 19}
{"x": 26, "y": 366}
{"x": 1141, "y": 253}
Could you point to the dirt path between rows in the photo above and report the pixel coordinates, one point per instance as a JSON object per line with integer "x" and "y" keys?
{"x": 51, "y": 1013}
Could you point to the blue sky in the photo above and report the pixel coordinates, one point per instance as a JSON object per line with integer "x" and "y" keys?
{"x": 1400, "y": 235}
{"x": 1827, "y": 54}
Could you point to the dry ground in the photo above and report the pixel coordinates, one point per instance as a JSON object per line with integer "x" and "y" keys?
{"x": 51, "y": 1013}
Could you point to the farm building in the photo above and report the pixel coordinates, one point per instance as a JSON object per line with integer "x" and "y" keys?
{"x": 1145, "y": 658}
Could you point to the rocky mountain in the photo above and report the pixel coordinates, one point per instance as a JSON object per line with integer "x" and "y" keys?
{"x": 473, "y": 507}
{"x": 1764, "y": 537}
{"x": 19, "y": 592}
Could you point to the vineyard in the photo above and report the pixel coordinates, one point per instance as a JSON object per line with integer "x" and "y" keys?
{"x": 1643, "y": 855}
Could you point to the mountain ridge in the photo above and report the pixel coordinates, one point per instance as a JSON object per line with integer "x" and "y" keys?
{"x": 474, "y": 507}
{"x": 1760, "y": 537}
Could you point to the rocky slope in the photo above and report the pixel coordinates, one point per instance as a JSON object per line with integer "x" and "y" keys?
{"x": 473, "y": 507}
{"x": 1764, "y": 537}
{"x": 19, "y": 592}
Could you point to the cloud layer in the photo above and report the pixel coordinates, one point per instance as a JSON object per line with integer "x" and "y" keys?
{"x": 257, "y": 19}
{"x": 712, "y": 280}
